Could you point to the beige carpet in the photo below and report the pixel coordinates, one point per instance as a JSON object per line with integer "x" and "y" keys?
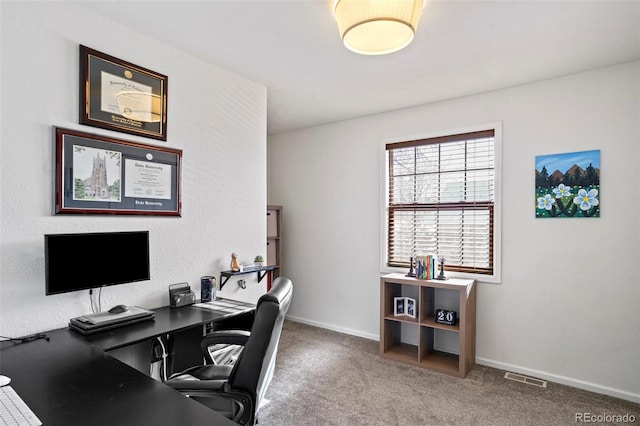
{"x": 328, "y": 378}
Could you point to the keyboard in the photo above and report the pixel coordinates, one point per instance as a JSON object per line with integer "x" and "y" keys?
{"x": 14, "y": 411}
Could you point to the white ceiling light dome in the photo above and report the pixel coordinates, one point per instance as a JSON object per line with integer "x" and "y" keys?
{"x": 377, "y": 27}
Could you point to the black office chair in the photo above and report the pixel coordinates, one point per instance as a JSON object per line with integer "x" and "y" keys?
{"x": 236, "y": 391}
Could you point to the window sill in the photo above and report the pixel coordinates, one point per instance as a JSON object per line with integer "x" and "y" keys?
{"x": 480, "y": 278}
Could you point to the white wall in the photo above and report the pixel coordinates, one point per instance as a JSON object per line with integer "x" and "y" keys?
{"x": 567, "y": 306}
{"x": 218, "y": 119}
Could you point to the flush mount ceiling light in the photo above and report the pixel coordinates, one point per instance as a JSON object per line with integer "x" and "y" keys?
{"x": 377, "y": 27}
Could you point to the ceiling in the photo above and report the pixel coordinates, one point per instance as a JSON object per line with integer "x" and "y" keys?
{"x": 461, "y": 48}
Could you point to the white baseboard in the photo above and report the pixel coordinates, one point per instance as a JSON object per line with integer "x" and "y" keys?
{"x": 332, "y": 327}
{"x": 568, "y": 381}
{"x": 580, "y": 384}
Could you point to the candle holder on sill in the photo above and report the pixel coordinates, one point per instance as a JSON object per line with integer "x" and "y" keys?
{"x": 441, "y": 274}
{"x": 411, "y": 273}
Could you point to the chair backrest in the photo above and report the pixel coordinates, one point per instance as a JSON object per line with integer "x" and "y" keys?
{"x": 253, "y": 368}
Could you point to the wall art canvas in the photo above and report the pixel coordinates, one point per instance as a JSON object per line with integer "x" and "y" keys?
{"x": 568, "y": 185}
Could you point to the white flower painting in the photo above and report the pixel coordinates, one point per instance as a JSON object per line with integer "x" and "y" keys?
{"x": 568, "y": 185}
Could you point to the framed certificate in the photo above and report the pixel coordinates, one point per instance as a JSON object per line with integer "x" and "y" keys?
{"x": 118, "y": 95}
{"x": 101, "y": 175}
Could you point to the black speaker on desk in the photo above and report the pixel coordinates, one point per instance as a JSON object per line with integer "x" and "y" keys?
{"x": 207, "y": 288}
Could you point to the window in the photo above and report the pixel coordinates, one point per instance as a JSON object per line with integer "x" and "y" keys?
{"x": 441, "y": 200}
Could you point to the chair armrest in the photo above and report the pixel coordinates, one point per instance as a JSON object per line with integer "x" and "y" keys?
{"x": 190, "y": 385}
{"x": 228, "y": 337}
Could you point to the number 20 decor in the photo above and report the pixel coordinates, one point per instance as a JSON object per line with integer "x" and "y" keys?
{"x": 446, "y": 317}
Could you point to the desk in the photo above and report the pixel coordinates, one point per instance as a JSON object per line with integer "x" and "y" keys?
{"x": 71, "y": 380}
{"x": 181, "y": 328}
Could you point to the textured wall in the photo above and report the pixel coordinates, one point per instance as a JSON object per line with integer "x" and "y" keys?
{"x": 217, "y": 118}
{"x": 567, "y": 304}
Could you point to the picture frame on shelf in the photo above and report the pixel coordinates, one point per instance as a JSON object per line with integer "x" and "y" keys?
{"x": 404, "y": 306}
{"x": 411, "y": 307}
{"x": 121, "y": 96}
{"x": 101, "y": 175}
{"x": 398, "y": 306}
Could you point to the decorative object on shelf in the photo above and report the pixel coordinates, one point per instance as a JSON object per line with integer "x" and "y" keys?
{"x": 410, "y": 273}
{"x": 570, "y": 186}
{"x": 444, "y": 316}
{"x": 377, "y": 27}
{"x": 118, "y": 95}
{"x": 102, "y": 175}
{"x": 235, "y": 266}
{"x": 425, "y": 267}
{"x": 421, "y": 268}
{"x": 441, "y": 276}
{"x": 404, "y": 306}
{"x": 398, "y": 306}
{"x": 258, "y": 261}
{"x": 248, "y": 267}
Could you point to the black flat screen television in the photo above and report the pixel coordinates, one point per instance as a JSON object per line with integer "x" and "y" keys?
{"x": 91, "y": 260}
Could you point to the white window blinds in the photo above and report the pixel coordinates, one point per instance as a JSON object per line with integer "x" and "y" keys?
{"x": 441, "y": 201}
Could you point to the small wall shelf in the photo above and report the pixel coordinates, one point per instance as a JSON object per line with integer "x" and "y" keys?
{"x": 262, "y": 272}
{"x": 424, "y": 353}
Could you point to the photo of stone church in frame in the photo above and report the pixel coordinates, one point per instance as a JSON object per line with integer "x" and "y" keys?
{"x": 96, "y": 174}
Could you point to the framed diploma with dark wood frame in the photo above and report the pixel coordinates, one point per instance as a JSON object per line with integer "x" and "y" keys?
{"x": 118, "y": 95}
{"x": 102, "y": 175}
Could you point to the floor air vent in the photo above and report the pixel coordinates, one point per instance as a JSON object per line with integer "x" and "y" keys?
{"x": 526, "y": 380}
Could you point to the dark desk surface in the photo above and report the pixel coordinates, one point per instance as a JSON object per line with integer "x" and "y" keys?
{"x": 167, "y": 320}
{"x": 67, "y": 381}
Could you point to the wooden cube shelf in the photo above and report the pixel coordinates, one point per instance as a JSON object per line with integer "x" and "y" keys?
{"x": 274, "y": 240}
{"x": 424, "y": 353}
